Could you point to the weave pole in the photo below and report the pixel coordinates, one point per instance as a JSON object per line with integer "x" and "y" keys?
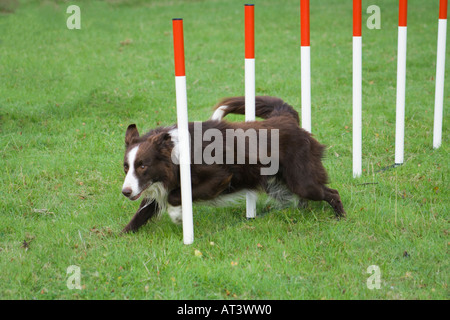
{"x": 183, "y": 132}
{"x": 440, "y": 71}
{"x": 401, "y": 83}
{"x": 357, "y": 89}
{"x": 305, "y": 58}
{"x": 250, "y": 87}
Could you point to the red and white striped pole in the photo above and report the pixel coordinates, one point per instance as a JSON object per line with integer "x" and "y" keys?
{"x": 183, "y": 132}
{"x": 250, "y": 87}
{"x": 305, "y": 61}
{"x": 440, "y": 71}
{"x": 401, "y": 83}
{"x": 357, "y": 89}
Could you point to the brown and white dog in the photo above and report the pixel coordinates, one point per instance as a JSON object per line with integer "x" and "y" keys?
{"x": 152, "y": 171}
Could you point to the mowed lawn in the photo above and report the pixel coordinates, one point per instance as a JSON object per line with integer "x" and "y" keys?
{"x": 67, "y": 96}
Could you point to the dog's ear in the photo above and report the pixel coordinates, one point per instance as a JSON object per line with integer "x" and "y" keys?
{"x": 132, "y": 132}
{"x": 161, "y": 138}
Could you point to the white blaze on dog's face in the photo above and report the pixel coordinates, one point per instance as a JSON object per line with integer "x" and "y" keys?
{"x": 134, "y": 168}
{"x": 130, "y": 186}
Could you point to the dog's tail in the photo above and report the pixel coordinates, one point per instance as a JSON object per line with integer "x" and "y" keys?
{"x": 265, "y": 107}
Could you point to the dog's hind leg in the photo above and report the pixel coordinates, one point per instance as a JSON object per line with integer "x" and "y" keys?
{"x": 332, "y": 197}
{"x": 146, "y": 210}
{"x": 310, "y": 190}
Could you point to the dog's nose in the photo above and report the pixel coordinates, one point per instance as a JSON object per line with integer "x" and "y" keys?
{"x": 127, "y": 192}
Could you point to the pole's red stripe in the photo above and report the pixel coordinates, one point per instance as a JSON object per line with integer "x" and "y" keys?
{"x": 402, "y": 13}
{"x": 249, "y": 31}
{"x": 304, "y": 23}
{"x": 357, "y": 18}
{"x": 178, "y": 47}
{"x": 443, "y": 9}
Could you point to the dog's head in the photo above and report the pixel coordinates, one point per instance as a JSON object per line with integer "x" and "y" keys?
{"x": 146, "y": 162}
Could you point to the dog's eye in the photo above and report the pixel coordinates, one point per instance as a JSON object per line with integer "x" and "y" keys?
{"x": 143, "y": 167}
{"x": 125, "y": 168}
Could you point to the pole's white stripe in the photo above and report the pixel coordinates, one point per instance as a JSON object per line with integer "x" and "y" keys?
{"x": 439, "y": 93}
{"x": 250, "y": 116}
{"x": 305, "y": 57}
{"x": 357, "y": 106}
{"x": 249, "y": 89}
{"x": 400, "y": 105}
{"x": 185, "y": 168}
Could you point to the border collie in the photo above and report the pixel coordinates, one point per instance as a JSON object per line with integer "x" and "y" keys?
{"x": 152, "y": 171}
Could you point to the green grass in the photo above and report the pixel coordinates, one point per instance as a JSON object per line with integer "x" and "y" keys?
{"x": 67, "y": 96}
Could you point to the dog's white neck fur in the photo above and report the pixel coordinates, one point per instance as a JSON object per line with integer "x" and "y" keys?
{"x": 158, "y": 193}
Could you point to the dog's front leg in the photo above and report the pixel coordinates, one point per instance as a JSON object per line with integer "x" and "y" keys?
{"x": 145, "y": 212}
